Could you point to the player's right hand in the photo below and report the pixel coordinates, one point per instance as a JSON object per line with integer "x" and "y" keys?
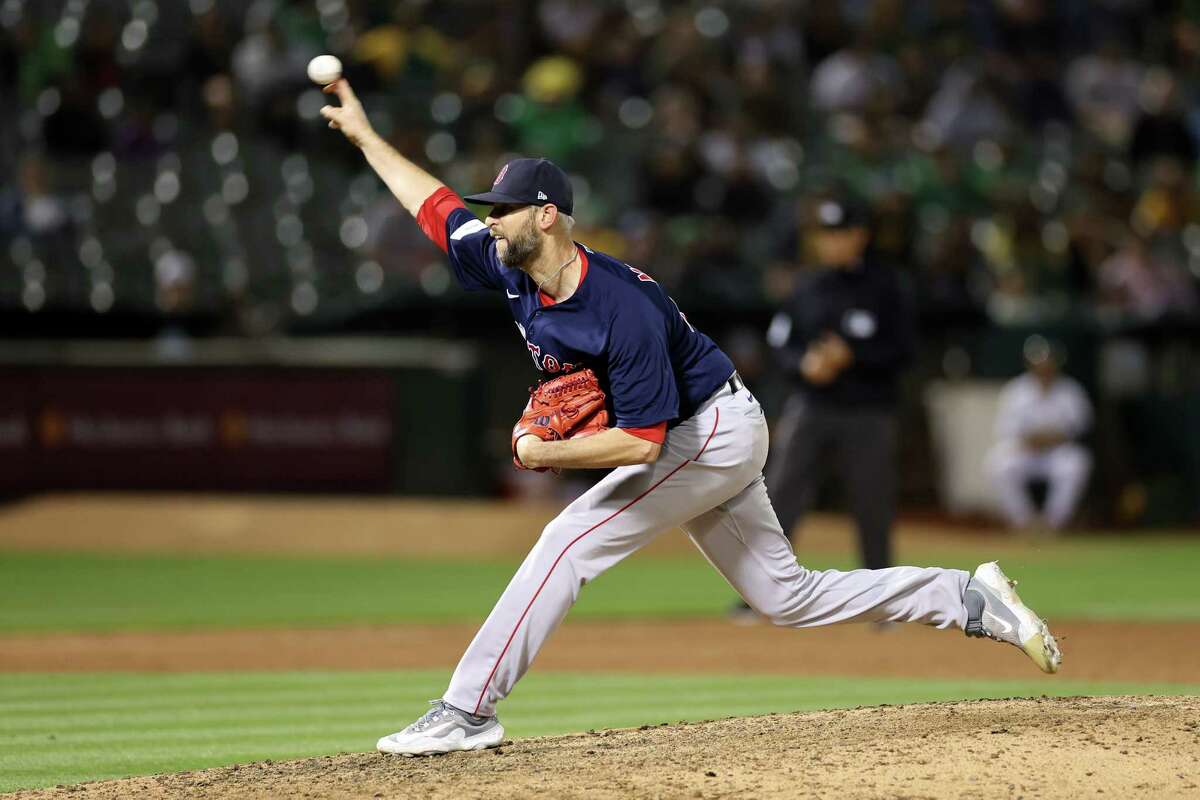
{"x": 349, "y": 117}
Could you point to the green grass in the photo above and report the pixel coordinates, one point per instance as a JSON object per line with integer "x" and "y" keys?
{"x": 1138, "y": 579}
{"x": 97, "y": 592}
{"x": 1098, "y": 579}
{"x": 70, "y": 728}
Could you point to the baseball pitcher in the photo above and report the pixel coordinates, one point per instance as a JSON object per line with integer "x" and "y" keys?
{"x": 632, "y": 384}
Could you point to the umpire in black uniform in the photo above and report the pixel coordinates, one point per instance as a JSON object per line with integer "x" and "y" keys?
{"x": 843, "y": 339}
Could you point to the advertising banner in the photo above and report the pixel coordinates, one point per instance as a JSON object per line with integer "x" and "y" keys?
{"x": 207, "y": 428}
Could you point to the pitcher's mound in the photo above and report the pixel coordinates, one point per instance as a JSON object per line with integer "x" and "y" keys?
{"x": 1106, "y": 747}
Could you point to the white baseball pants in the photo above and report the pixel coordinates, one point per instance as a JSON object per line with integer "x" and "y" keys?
{"x": 707, "y": 480}
{"x": 1064, "y": 468}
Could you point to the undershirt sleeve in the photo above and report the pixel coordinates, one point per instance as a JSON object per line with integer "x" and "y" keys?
{"x": 445, "y": 219}
{"x": 655, "y": 433}
{"x": 434, "y": 215}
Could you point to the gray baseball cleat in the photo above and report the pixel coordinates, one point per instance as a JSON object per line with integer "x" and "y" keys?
{"x": 995, "y": 611}
{"x": 444, "y": 729}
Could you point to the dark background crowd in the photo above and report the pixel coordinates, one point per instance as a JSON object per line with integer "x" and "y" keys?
{"x": 1023, "y": 158}
{"x": 1029, "y": 166}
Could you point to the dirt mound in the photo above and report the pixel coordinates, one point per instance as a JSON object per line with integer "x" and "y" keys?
{"x": 1045, "y": 748}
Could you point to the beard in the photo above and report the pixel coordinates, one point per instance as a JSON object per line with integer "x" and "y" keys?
{"x": 523, "y": 248}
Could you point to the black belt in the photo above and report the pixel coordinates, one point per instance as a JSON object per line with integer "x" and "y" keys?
{"x": 735, "y": 383}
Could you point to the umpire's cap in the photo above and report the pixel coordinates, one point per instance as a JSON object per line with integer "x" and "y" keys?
{"x": 531, "y": 181}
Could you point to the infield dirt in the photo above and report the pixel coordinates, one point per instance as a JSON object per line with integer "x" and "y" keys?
{"x": 1044, "y": 748}
{"x": 1159, "y": 652}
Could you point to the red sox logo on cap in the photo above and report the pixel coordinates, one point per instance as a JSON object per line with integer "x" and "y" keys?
{"x": 500, "y": 177}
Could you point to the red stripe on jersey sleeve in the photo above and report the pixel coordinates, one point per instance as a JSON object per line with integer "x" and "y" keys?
{"x": 656, "y": 434}
{"x": 435, "y": 211}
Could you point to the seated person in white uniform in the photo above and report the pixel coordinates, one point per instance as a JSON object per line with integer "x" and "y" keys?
{"x": 1042, "y": 415}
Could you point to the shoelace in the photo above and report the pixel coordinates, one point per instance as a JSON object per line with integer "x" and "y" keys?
{"x": 431, "y": 716}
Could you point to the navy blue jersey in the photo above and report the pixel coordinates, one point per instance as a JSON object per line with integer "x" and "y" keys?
{"x": 653, "y": 365}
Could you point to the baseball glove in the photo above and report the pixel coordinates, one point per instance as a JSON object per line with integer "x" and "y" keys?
{"x": 567, "y": 407}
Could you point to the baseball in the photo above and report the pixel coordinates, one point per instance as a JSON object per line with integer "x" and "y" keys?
{"x": 324, "y": 70}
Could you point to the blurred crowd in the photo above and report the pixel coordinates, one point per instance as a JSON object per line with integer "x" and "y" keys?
{"x": 1022, "y": 159}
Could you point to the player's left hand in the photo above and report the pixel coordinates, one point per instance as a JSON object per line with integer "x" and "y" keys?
{"x": 565, "y": 407}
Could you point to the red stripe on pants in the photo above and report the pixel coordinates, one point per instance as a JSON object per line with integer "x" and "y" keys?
{"x": 549, "y": 572}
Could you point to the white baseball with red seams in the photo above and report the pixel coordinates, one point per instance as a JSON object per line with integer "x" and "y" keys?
{"x": 708, "y": 480}
{"x": 324, "y": 70}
